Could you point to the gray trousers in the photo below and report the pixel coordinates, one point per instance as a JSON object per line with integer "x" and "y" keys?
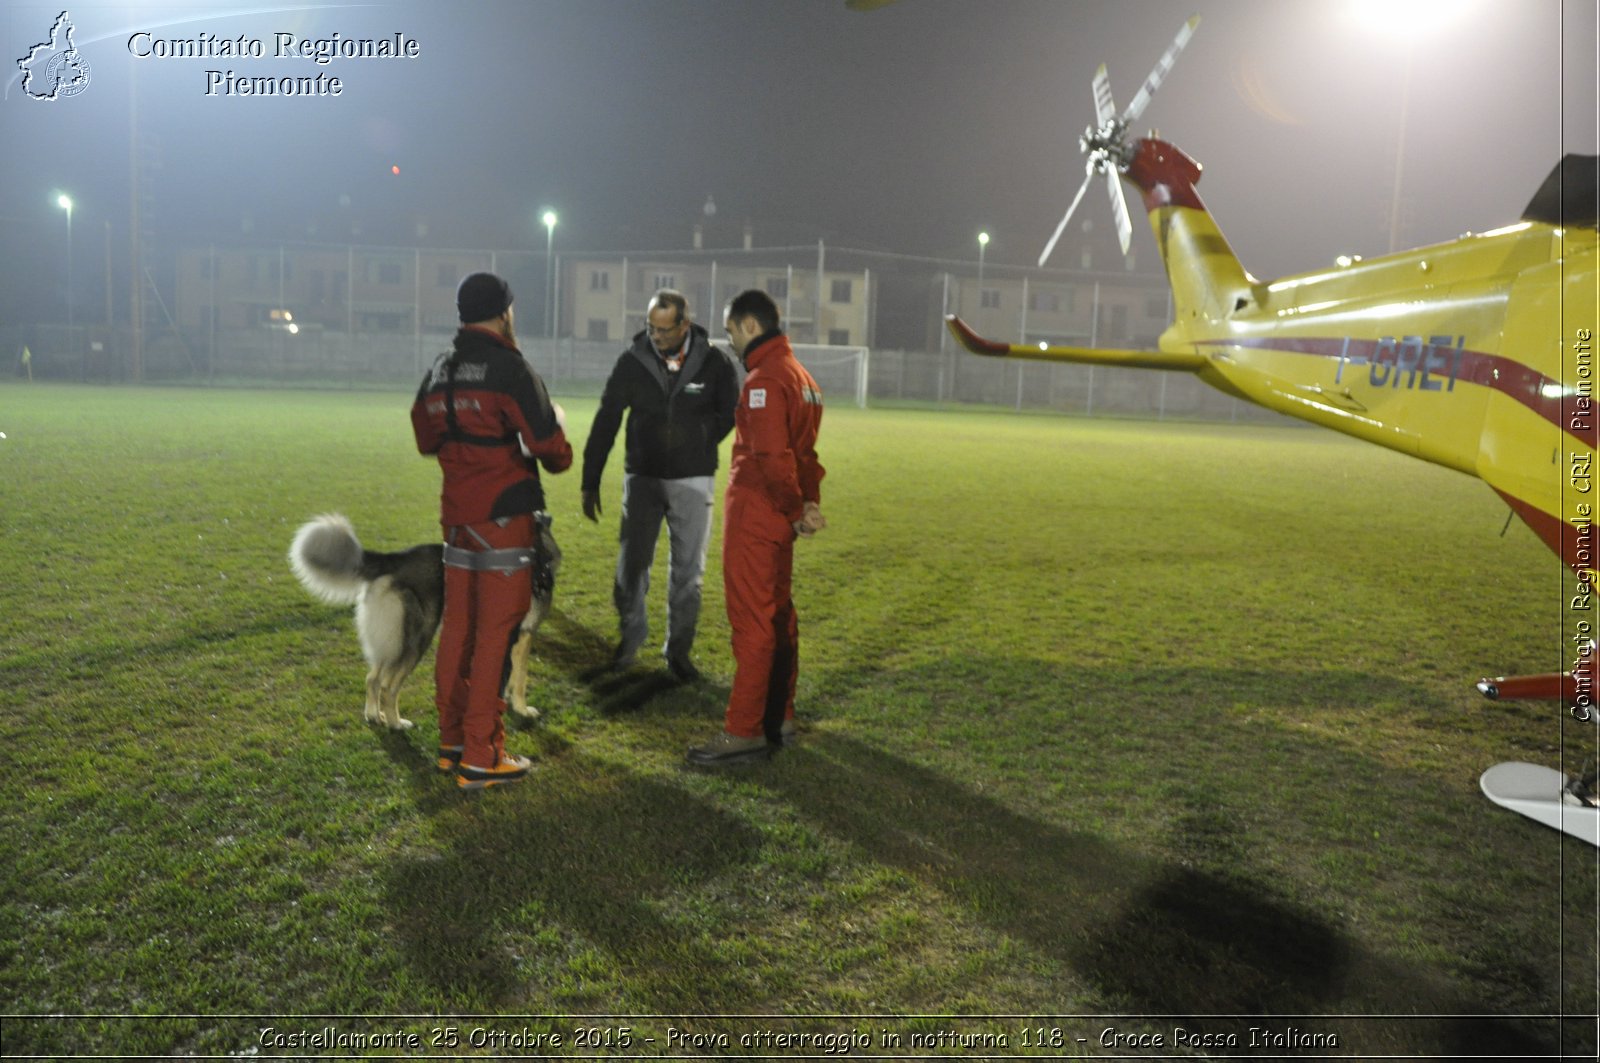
{"x": 686, "y": 505}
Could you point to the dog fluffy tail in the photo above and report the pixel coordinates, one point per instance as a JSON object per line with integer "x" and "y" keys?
{"x": 327, "y": 559}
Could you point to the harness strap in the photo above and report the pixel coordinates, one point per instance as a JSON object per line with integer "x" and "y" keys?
{"x": 452, "y": 425}
{"x": 490, "y": 559}
{"x": 452, "y": 428}
{"x": 512, "y": 559}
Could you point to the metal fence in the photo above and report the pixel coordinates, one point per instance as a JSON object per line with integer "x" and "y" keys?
{"x": 317, "y": 358}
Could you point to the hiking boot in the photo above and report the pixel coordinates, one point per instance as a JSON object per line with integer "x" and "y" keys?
{"x": 729, "y": 749}
{"x": 623, "y": 657}
{"x": 449, "y": 758}
{"x": 683, "y": 670}
{"x": 509, "y": 769}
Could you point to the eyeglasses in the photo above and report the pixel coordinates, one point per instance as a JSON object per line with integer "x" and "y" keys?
{"x": 663, "y": 330}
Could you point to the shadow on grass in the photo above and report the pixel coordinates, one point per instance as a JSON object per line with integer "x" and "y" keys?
{"x": 1155, "y": 937}
{"x": 66, "y": 657}
{"x": 1161, "y": 685}
{"x": 640, "y": 869}
{"x": 572, "y": 647}
{"x": 619, "y": 693}
{"x": 578, "y": 858}
{"x": 585, "y": 655}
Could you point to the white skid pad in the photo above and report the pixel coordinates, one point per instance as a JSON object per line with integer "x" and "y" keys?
{"x": 1535, "y": 791}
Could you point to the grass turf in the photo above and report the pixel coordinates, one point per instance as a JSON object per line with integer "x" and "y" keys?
{"x": 1102, "y": 720}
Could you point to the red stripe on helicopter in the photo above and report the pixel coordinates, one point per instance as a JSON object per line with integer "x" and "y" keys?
{"x": 1432, "y": 367}
{"x": 1573, "y": 544}
{"x": 974, "y": 342}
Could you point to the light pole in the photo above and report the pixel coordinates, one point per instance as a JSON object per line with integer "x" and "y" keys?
{"x": 1405, "y": 21}
{"x": 983, "y": 245}
{"x": 549, "y": 220}
{"x": 64, "y": 201}
{"x": 1399, "y": 152}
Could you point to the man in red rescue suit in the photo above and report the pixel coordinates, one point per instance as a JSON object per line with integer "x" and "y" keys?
{"x": 773, "y": 497}
{"x": 486, "y": 415}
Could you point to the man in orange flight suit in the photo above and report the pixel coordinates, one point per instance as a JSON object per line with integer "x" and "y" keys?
{"x": 486, "y": 415}
{"x": 773, "y": 497}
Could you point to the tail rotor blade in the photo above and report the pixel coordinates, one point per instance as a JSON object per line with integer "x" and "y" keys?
{"x": 1105, "y": 108}
{"x": 1051, "y": 246}
{"x": 1119, "y": 208}
{"x": 1163, "y": 67}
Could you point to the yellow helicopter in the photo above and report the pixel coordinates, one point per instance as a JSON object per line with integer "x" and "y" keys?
{"x": 1476, "y": 354}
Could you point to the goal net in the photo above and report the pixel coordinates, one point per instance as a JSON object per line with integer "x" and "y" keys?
{"x": 838, "y": 371}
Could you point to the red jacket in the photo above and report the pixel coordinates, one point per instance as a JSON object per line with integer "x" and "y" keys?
{"x": 775, "y": 430}
{"x": 485, "y": 413}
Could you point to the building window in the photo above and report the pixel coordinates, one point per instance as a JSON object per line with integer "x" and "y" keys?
{"x": 599, "y": 281}
{"x": 841, "y": 290}
{"x": 389, "y": 273}
{"x": 599, "y": 328}
{"x": 839, "y": 337}
{"x": 989, "y": 299}
{"x": 1045, "y": 302}
{"x": 666, "y": 280}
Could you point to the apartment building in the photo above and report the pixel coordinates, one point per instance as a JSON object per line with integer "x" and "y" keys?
{"x": 606, "y": 298}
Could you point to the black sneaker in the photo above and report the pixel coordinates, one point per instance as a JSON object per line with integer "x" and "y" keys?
{"x": 683, "y": 670}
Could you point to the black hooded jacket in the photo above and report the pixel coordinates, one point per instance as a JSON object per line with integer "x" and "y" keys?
{"x": 675, "y": 420}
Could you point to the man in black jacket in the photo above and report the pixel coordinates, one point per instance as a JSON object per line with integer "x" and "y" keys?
{"x": 679, "y": 392}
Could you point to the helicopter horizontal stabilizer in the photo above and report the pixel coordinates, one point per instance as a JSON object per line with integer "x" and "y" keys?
{"x": 1045, "y": 352}
{"x": 1551, "y": 686}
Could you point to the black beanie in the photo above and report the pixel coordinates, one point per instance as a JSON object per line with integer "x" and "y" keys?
{"x": 482, "y": 297}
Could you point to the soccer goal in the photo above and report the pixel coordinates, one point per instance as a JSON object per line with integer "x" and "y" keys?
{"x": 838, "y": 370}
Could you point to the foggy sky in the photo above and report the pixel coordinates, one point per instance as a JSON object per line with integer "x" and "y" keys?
{"x": 907, "y": 129}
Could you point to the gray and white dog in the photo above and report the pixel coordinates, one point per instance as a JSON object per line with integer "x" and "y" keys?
{"x": 399, "y": 600}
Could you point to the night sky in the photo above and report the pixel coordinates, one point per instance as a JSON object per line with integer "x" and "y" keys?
{"x": 907, "y": 129}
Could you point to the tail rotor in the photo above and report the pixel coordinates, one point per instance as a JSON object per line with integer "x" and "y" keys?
{"x": 1106, "y": 146}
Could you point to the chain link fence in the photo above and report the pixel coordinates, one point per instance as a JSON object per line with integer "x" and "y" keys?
{"x": 319, "y": 358}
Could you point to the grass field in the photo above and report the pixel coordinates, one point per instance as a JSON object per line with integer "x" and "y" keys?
{"x": 1110, "y": 729}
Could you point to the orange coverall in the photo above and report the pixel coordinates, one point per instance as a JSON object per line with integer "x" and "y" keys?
{"x": 488, "y": 418}
{"x": 773, "y": 474}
